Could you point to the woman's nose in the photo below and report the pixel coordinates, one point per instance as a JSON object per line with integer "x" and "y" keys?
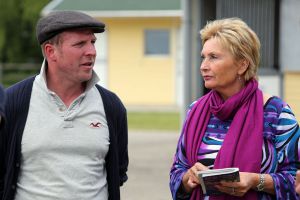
{"x": 203, "y": 65}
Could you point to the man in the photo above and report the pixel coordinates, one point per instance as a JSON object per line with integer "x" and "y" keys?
{"x": 2, "y": 101}
{"x": 65, "y": 136}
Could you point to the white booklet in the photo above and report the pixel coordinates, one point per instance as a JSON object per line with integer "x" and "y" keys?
{"x": 209, "y": 178}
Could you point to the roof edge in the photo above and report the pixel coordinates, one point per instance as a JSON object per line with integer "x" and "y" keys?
{"x": 50, "y": 7}
{"x": 134, "y": 13}
{"x": 127, "y": 13}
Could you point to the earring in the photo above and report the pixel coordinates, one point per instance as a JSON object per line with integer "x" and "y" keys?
{"x": 240, "y": 78}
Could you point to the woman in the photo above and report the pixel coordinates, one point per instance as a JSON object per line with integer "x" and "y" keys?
{"x": 235, "y": 124}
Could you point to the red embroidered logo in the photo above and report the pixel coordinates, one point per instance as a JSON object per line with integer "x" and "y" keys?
{"x": 95, "y": 125}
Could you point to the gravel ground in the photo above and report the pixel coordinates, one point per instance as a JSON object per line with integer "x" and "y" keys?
{"x": 150, "y": 159}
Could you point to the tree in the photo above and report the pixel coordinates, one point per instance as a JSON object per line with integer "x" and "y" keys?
{"x": 17, "y": 30}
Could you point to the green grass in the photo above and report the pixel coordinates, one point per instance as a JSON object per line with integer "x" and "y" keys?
{"x": 167, "y": 121}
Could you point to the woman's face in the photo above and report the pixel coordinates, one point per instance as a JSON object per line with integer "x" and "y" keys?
{"x": 220, "y": 70}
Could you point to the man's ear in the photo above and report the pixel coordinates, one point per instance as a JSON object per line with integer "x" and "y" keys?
{"x": 49, "y": 51}
{"x": 243, "y": 66}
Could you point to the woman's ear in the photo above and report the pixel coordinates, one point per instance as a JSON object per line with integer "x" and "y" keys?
{"x": 243, "y": 66}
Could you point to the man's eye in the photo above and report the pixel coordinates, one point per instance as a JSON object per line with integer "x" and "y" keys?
{"x": 79, "y": 44}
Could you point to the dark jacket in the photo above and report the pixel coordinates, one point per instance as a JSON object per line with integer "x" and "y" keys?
{"x": 2, "y": 101}
{"x": 16, "y": 110}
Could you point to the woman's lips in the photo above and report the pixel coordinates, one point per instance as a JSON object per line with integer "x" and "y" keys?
{"x": 206, "y": 78}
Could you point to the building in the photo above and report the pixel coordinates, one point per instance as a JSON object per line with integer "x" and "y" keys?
{"x": 139, "y": 55}
{"x": 277, "y": 23}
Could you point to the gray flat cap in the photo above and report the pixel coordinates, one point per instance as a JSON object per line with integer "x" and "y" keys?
{"x": 59, "y": 21}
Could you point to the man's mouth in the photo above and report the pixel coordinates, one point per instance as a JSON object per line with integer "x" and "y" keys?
{"x": 88, "y": 64}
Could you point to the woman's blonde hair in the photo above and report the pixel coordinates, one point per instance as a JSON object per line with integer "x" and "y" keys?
{"x": 236, "y": 36}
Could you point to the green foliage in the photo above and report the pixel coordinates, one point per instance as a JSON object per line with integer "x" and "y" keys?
{"x": 13, "y": 73}
{"x": 169, "y": 121}
{"x": 17, "y": 30}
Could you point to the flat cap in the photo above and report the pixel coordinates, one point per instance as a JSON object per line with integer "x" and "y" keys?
{"x": 59, "y": 21}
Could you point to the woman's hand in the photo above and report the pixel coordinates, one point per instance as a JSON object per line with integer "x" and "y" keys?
{"x": 190, "y": 179}
{"x": 247, "y": 181}
{"x": 297, "y": 183}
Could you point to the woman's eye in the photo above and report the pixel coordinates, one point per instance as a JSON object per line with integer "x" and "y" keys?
{"x": 213, "y": 57}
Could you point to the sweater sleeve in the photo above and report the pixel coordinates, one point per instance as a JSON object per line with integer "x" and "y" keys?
{"x": 15, "y": 110}
{"x": 178, "y": 169}
{"x": 2, "y": 101}
{"x": 117, "y": 121}
{"x": 122, "y": 134}
{"x": 2, "y": 143}
{"x": 287, "y": 151}
{"x": 180, "y": 166}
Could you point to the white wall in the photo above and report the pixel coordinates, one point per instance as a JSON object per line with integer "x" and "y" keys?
{"x": 100, "y": 66}
{"x": 289, "y": 58}
{"x": 270, "y": 84}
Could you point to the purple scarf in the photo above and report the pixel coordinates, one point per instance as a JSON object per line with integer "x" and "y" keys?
{"x": 242, "y": 146}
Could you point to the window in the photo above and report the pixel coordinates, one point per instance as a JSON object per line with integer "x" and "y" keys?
{"x": 157, "y": 42}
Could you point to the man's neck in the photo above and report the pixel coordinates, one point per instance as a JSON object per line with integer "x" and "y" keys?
{"x": 66, "y": 90}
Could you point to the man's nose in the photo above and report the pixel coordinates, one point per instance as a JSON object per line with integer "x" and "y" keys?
{"x": 91, "y": 50}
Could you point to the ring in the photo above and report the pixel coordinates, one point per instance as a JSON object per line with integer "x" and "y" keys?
{"x": 233, "y": 190}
